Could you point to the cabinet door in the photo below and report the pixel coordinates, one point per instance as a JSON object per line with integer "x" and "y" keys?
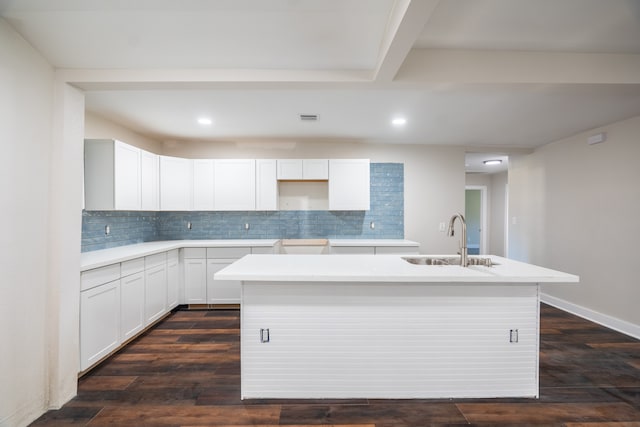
{"x": 221, "y": 291}
{"x": 132, "y": 318}
{"x": 99, "y": 322}
{"x": 353, "y": 250}
{"x": 126, "y": 176}
{"x": 315, "y": 169}
{"x": 266, "y": 185}
{"x": 289, "y": 169}
{"x": 149, "y": 181}
{"x": 203, "y": 184}
{"x": 155, "y": 281}
{"x": 175, "y": 184}
{"x": 349, "y": 184}
{"x": 397, "y": 250}
{"x": 195, "y": 281}
{"x": 235, "y": 185}
{"x": 173, "y": 279}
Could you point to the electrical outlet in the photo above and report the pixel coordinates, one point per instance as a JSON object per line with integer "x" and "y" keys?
{"x": 246, "y": 226}
{"x": 189, "y": 225}
{"x": 442, "y": 227}
{"x": 107, "y": 230}
{"x": 372, "y": 225}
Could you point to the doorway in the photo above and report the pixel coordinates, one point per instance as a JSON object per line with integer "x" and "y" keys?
{"x": 475, "y": 213}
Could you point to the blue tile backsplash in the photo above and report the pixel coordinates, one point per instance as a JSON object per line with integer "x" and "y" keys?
{"x": 128, "y": 227}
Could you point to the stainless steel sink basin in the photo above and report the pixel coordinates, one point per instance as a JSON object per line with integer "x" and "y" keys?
{"x": 452, "y": 260}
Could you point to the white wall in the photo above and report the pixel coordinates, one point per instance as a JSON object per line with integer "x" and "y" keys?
{"x": 434, "y": 177}
{"x": 576, "y": 210}
{"x": 65, "y": 225}
{"x": 26, "y": 85}
{"x": 98, "y": 127}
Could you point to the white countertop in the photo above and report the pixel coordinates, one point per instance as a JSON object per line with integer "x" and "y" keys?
{"x": 95, "y": 259}
{"x": 372, "y": 242}
{"x": 382, "y": 268}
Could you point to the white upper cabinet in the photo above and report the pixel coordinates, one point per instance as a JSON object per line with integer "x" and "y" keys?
{"x": 303, "y": 169}
{"x": 315, "y": 169}
{"x": 149, "y": 181}
{"x": 349, "y": 185}
{"x": 127, "y": 177}
{"x": 119, "y": 176}
{"x": 111, "y": 175}
{"x": 175, "y": 184}
{"x": 266, "y": 185}
{"x": 203, "y": 184}
{"x": 235, "y": 185}
{"x": 289, "y": 169}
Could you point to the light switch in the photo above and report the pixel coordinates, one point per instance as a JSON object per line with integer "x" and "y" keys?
{"x": 264, "y": 335}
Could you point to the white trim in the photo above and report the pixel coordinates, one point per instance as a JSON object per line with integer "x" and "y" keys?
{"x": 484, "y": 227}
{"x": 26, "y": 413}
{"x": 610, "y": 322}
{"x": 506, "y": 221}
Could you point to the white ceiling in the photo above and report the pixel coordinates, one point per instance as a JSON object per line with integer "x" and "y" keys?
{"x": 502, "y": 74}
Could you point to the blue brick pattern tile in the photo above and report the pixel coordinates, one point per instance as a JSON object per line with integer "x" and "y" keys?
{"x": 126, "y": 228}
{"x": 387, "y": 212}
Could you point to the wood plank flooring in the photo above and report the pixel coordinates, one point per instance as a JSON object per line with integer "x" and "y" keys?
{"x": 186, "y": 372}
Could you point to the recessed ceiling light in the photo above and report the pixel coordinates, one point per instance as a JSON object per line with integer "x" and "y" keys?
{"x": 205, "y": 121}
{"x": 492, "y": 162}
{"x": 399, "y": 121}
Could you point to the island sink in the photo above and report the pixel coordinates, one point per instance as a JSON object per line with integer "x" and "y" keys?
{"x": 449, "y": 260}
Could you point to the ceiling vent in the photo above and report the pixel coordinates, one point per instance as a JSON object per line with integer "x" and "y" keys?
{"x": 309, "y": 117}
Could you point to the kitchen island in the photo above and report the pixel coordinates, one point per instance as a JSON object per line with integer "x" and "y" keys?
{"x": 361, "y": 326}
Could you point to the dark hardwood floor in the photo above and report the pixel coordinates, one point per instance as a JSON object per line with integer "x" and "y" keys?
{"x": 186, "y": 372}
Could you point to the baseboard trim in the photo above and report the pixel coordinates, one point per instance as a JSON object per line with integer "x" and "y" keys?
{"x": 25, "y": 414}
{"x": 610, "y": 322}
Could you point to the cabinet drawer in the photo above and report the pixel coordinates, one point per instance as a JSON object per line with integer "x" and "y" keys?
{"x": 353, "y": 250}
{"x": 262, "y": 250}
{"x": 229, "y": 253}
{"x": 132, "y": 266}
{"x": 155, "y": 260}
{"x": 396, "y": 250}
{"x": 194, "y": 253}
{"x": 98, "y": 276}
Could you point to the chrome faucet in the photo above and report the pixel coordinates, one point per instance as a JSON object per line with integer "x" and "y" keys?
{"x": 464, "y": 261}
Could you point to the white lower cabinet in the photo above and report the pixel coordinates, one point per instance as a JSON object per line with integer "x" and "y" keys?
{"x": 201, "y": 264}
{"x": 173, "y": 279}
{"x": 132, "y": 318}
{"x": 195, "y": 277}
{"x": 221, "y": 291}
{"x": 375, "y": 250}
{"x": 155, "y": 281}
{"x": 353, "y": 250}
{"x": 99, "y": 322}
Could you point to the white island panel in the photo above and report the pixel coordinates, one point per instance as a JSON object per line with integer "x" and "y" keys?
{"x": 389, "y": 340}
{"x": 377, "y": 326}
